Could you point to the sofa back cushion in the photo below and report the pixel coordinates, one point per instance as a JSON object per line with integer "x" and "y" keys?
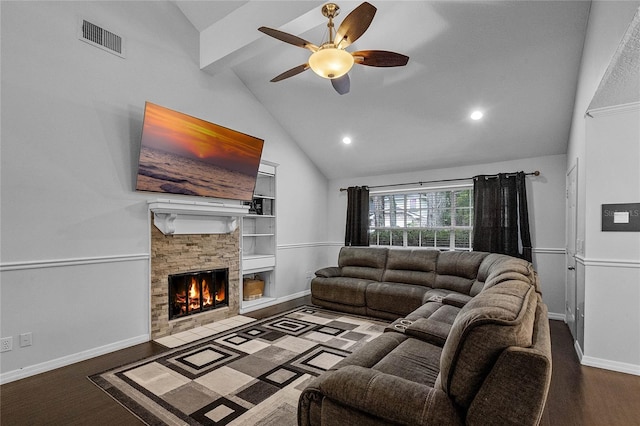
{"x": 497, "y": 268}
{"x": 500, "y": 317}
{"x": 363, "y": 262}
{"x": 457, "y": 271}
{"x": 411, "y": 266}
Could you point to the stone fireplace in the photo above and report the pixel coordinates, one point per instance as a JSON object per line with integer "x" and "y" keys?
{"x": 191, "y": 293}
{"x": 189, "y": 243}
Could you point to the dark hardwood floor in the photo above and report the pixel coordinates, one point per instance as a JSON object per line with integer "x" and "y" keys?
{"x": 578, "y": 395}
{"x": 582, "y": 395}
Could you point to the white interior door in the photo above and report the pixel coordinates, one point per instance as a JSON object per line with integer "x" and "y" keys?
{"x": 571, "y": 312}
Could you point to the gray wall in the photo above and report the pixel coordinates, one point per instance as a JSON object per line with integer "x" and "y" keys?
{"x": 75, "y": 234}
{"x": 545, "y": 195}
{"x": 606, "y": 150}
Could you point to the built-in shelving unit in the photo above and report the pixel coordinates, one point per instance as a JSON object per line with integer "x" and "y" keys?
{"x": 259, "y": 239}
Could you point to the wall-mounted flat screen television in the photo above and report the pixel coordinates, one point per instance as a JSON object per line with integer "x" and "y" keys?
{"x": 181, "y": 154}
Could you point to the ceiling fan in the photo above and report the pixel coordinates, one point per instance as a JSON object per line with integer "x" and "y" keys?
{"x": 330, "y": 60}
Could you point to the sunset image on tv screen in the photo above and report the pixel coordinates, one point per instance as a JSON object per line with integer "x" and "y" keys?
{"x": 180, "y": 154}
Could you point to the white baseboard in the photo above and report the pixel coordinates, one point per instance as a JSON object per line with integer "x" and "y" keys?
{"x": 555, "y": 316}
{"x": 578, "y": 350}
{"x": 621, "y": 367}
{"x": 606, "y": 364}
{"x": 275, "y": 301}
{"x": 32, "y": 370}
{"x": 294, "y": 296}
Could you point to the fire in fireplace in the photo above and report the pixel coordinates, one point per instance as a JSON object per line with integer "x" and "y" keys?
{"x": 194, "y": 292}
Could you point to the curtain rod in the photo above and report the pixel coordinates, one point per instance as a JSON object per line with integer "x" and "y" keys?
{"x": 536, "y": 173}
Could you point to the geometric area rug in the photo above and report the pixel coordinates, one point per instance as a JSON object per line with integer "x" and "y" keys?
{"x": 249, "y": 375}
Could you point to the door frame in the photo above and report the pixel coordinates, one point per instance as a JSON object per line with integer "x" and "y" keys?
{"x": 571, "y": 236}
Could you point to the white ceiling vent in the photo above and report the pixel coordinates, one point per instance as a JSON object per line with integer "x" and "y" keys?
{"x": 99, "y": 37}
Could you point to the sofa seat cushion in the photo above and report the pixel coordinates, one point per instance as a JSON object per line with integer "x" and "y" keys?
{"x": 373, "y": 352}
{"x": 496, "y": 319}
{"x": 414, "y": 360}
{"x": 396, "y": 298}
{"x": 365, "y": 397}
{"x": 343, "y": 290}
{"x": 398, "y": 355}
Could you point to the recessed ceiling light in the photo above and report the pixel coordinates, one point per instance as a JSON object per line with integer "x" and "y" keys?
{"x": 346, "y": 140}
{"x": 476, "y": 115}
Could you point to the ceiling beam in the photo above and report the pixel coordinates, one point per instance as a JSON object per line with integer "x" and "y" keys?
{"x": 235, "y": 37}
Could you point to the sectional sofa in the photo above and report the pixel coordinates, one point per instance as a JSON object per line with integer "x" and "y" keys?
{"x": 468, "y": 343}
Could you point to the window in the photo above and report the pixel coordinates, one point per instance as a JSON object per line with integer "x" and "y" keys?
{"x": 439, "y": 219}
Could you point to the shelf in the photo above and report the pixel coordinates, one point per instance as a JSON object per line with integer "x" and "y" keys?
{"x": 256, "y": 303}
{"x": 257, "y": 263}
{"x": 257, "y": 256}
{"x": 259, "y": 237}
{"x": 195, "y": 217}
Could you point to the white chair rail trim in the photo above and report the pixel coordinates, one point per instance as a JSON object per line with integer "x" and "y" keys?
{"x": 608, "y": 263}
{"x": 54, "y": 263}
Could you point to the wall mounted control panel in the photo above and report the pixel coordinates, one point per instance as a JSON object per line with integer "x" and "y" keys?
{"x": 621, "y": 217}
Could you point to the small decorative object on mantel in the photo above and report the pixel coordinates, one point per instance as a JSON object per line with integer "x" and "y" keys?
{"x": 621, "y": 217}
{"x": 257, "y": 205}
{"x": 252, "y": 206}
{"x": 263, "y": 206}
{"x": 267, "y": 206}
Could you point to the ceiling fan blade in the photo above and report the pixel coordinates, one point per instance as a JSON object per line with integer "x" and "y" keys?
{"x": 380, "y": 58}
{"x": 341, "y": 84}
{"x": 354, "y": 25}
{"x": 288, "y": 38}
{"x": 290, "y": 73}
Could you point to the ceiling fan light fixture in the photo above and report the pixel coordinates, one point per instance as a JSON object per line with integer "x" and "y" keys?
{"x": 330, "y": 62}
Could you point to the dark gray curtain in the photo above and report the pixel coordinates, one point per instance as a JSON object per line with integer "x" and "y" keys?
{"x": 357, "y": 231}
{"x": 501, "y": 216}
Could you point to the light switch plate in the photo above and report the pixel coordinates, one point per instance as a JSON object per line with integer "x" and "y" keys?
{"x": 26, "y": 339}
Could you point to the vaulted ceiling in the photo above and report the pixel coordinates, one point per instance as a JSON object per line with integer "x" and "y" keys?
{"x": 516, "y": 61}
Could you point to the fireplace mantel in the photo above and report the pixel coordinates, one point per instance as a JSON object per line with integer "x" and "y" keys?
{"x": 196, "y": 217}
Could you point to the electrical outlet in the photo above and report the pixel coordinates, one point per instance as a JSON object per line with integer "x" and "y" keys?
{"x": 6, "y": 344}
{"x": 26, "y": 339}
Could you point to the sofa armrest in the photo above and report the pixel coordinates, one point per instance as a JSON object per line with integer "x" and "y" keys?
{"x": 516, "y": 389}
{"x": 329, "y": 272}
{"x": 457, "y": 300}
{"x": 429, "y": 330}
{"x": 382, "y": 395}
